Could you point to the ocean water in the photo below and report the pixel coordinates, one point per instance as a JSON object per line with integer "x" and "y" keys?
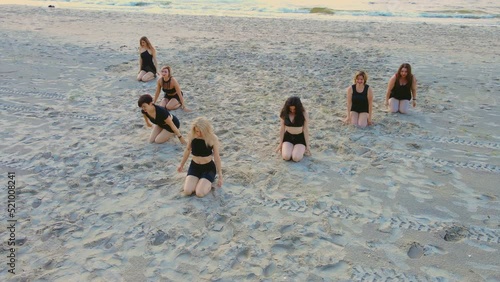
{"x": 471, "y": 11}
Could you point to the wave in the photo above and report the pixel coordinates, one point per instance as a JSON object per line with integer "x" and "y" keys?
{"x": 461, "y": 14}
{"x": 248, "y": 7}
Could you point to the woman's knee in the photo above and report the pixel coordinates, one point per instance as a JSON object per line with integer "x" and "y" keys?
{"x": 188, "y": 189}
{"x": 160, "y": 140}
{"x": 286, "y": 155}
{"x": 147, "y": 77}
{"x": 200, "y": 194}
{"x": 202, "y": 189}
{"x": 363, "y": 123}
{"x": 297, "y": 157}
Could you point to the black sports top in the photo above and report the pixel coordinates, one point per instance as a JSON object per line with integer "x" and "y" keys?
{"x": 161, "y": 115}
{"x": 359, "y": 100}
{"x": 401, "y": 92}
{"x": 166, "y": 90}
{"x": 295, "y": 123}
{"x": 147, "y": 62}
{"x": 199, "y": 148}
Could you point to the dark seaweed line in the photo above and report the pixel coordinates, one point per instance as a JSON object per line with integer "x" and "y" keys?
{"x": 337, "y": 211}
{"x": 21, "y": 165}
{"x": 39, "y": 112}
{"x": 452, "y": 140}
{"x": 49, "y": 95}
{"x": 360, "y": 273}
{"x": 441, "y": 162}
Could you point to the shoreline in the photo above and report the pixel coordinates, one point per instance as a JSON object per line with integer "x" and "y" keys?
{"x": 488, "y": 22}
{"x": 413, "y": 196}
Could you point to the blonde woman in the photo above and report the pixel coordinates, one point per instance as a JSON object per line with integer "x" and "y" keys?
{"x": 359, "y": 101}
{"x": 174, "y": 98}
{"x": 203, "y": 144}
{"x": 147, "y": 60}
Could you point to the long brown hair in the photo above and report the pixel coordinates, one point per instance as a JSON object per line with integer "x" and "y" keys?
{"x": 409, "y": 76}
{"x": 148, "y": 43}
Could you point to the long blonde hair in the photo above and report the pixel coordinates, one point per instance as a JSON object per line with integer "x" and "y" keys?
{"x": 148, "y": 43}
{"x": 206, "y": 129}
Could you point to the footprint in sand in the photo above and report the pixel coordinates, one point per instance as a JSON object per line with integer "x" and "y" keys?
{"x": 159, "y": 238}
{"x": 269, "y": 270}
{"x": 455, "y": 233}
{"x": 416, "y": 251}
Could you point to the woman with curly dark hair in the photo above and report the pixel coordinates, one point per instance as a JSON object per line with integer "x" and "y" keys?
{"x": 294, "y": 130}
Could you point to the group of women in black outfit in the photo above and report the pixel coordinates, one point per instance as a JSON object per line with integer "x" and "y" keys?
{"x": 294, "y": 143}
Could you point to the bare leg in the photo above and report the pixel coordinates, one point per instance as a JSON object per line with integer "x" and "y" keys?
{"x": 393, "y": 105}
{"x": 156, "y": 130}
{"x": 163, "y": 102}
{"x": 298, "y": 152}
{"x": 173, "y": 104}
{"x": 286, "y": 150}
{"x": 203, "y": 187}
{"x": 163, "y": 136}
{"x": 190, "y": 184}
{"x": 404, "y": 106}
{"x": 363, "y": 120}
{"x": 148, "y": 76}
{"x": 140, "y": 75}
{"x": 354, "y": 118}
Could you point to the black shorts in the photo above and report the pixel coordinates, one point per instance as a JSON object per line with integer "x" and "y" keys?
{"x": 176, "y": 122}
{"x": 206, "y": 171}
{"x": 294, "y": 138}
{"x": 174, "y": 97}
{"x": 149, "y": 69}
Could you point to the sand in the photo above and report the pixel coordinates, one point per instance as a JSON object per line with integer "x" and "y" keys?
{"x": 413, "y": 198}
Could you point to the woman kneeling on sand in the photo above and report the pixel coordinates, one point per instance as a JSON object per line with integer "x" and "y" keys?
{"x": 359, "y": 101}
{"x": 147, "y": 60}
{"x": 401, "y": 89}
{"x": 204, "y": 146}
{"x": 174, "y": 98}
{"x": 166, "y": 124}
{"x": 294, "y": 130}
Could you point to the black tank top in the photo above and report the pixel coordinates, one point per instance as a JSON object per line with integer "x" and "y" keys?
{"x": 166, "y": 90}
{"x": 401, "y": 92}
{"x": 199, "y": 148}
{"x": 147, "y": 61}
{"x": 295, "y": 123}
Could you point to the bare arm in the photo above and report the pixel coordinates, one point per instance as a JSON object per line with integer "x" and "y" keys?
{"x": 140, "y": 59}
{"x": 218, "y": 164}
{"x": 370, "y": 105}
{"x": 174, "y": 128}
{"x": 390, "y": 85}
{"x": 148, "y": 124}
{"x": 155, "y": 62}
{"x": 179, "y": 92}
{"x": 306, "y": 131}
{"x": 414, "y": 91}
{"x": 158, "y": 89}
{"x": 185, "y": 156}
{"x": 349, "y": 104}
{"x": 282, "y": 134}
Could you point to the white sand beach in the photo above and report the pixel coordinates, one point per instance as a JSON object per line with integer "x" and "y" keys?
{"x": 412, "y": 198}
